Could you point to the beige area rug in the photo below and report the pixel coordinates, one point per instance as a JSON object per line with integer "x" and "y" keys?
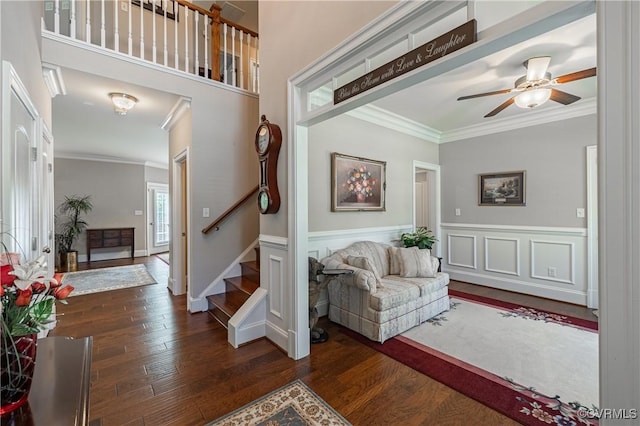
{"x": 293, "y": 404}
{"x": 105, "y": 279}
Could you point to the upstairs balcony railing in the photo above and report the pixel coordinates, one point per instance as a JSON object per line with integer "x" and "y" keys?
{"x": 171, "y": 33}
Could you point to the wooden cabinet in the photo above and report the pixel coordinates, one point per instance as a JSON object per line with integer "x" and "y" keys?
{"x": 110, "y": 237}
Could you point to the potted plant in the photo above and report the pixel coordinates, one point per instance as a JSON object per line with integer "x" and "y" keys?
{"x": 71, "y": 226}
{"x": 421, "y": 238}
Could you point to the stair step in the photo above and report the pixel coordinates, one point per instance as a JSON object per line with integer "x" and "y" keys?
{"x": 219, "y": 315}
{"x": 238, "y": 290}
{"x": 251, "y": 271}
{"x": 241, "y": 283}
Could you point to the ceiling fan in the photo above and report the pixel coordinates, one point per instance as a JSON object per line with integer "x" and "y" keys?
{"x": 536, "y": 87}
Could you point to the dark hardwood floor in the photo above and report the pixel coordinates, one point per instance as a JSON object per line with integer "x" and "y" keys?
{"x": 156, "y": 364}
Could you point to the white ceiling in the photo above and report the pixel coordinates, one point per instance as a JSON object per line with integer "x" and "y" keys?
{"x": 433, "y": 103}
{"x": 85, "y": 125}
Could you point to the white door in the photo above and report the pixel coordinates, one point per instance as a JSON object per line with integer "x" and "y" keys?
{"x": 45, "y": 167}
{"x": 20, "y": 169}
{"x": 158, "y": 217}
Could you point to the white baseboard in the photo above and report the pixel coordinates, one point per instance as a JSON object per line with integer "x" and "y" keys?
{"x": 534, "y": 289}
{"x": 277, "y": 335}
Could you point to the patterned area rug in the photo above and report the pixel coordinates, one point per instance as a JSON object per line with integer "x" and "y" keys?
{"x": 292, "y": 405}
{"x": 533, "y": 366}
{"x": 105, "y": 279}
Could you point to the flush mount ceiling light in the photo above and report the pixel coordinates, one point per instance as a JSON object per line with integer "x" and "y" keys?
{"x": 122, "y": 102}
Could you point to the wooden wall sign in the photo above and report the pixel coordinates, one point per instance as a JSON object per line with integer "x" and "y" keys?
{"x": 447, "y": 43}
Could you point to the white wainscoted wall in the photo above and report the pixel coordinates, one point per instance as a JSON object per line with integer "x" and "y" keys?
{"x": 548, "y": 262}
{"x": 325, "y": 243}
{"x": 273, "y": 278}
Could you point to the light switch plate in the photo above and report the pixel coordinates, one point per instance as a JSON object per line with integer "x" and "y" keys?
{"x": 457, "y": 212}
{"x": 579, "y": 212}
{"x": 205, "y": 212}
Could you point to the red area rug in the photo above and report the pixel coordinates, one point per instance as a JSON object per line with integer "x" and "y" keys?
{"x": 521, "y": 403}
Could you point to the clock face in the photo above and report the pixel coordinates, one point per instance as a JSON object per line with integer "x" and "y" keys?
{"x": 263, "y": 200}
{"x": 263, "y": 140}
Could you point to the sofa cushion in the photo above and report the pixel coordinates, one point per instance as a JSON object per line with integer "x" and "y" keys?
{"x": 393, "y": 294}
{"x": 363, "y": 262}
{"x": 417, "y": 263}
{"x": 426, "y": 285}
{"x": 394, "y": 259}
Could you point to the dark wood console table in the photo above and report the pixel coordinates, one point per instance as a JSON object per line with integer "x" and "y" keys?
{"x": 60, "y": 389}
{"x": 110, "y": 237}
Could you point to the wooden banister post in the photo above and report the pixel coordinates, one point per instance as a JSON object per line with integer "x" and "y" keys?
{"x": 215, "y": 42}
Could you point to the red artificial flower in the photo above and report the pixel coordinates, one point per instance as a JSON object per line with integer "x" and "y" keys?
{"x": 6, "y": 277}
{"x": 62, "y": 292}
{"x": 58, "y": 277}
{"x": 38, "y": 287}
{"x": 24, "y": 297}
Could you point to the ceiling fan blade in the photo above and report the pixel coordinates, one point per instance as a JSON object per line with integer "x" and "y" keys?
{"x": 537, "y": 67}
{"x": 500, "y": 108}
{"x": 497, "y": 92}
{"x": 563, "y": 97}
{"x": 576, "y": 75}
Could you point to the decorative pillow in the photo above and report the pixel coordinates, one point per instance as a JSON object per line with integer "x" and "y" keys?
{"x": 364, "y": 263}
{"x": 394, "y": 259}
{"x": 417, "y": 263}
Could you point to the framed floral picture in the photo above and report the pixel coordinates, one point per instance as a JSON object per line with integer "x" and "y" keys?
{"x": 502, "y": 189}
{"x": 357, "y": 184}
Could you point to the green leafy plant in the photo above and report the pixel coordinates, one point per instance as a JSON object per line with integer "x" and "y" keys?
{"x": 421, "y": 238}
{"x": 72, "y": 225}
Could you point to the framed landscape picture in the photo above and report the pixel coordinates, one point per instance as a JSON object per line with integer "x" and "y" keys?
{"x": 357, "y": 184}
{"x": 502, "y": 189}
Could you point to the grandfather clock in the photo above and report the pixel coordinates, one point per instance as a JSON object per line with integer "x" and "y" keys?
{"x": 268, "y": 141}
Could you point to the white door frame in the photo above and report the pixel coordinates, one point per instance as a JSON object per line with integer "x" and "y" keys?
{"x": 176, "y": 282}
{"x": 592, "y": 226}
{"x": 150, "y": 217}
{"x": 434, "y": 198}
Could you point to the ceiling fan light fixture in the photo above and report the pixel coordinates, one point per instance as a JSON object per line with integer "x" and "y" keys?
{"x": 122, "y": 102}
{"x": 532, "y": 98}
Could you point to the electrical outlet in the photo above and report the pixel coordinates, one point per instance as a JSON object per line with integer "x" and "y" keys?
{"x": 579, "y": 212}
{"x": 205, "y": 212}
{"x": 137, "y": 212}
{"x": 457, "y": 212}
{"x": 552, "y": 272}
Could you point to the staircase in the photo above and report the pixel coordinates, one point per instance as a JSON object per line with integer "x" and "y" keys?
{"x": 223, "y": 306}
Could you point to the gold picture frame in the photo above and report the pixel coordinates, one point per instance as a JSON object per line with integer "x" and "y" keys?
{"x": 357, "y": 184}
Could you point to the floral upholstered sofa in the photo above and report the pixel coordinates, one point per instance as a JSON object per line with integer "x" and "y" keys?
{"x": 391, "y": 290}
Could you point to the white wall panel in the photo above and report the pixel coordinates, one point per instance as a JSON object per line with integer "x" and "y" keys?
{"x": 276, "y": 295}
{"x": 461, "y": 250}
{"x": 541, "y": 261}
{"x": 553, "y": 261}
{"x": 273, "y": 278}
{"x": 502, "y": 255}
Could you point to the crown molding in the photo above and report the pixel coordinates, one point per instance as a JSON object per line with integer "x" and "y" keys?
{"x": 530, "y": 118}
{"x": 177, "y": 111}
{"x": 390, "y": 120}
{"x": 52, "y": 75}
{"x": 106, "y": 159}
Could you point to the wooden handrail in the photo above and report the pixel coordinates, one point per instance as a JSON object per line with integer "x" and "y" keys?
{"x": 228, "y": 212}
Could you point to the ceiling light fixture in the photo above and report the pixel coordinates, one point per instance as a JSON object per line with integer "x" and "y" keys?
{"x": 532, "y": 98}
{"x": 122, "y": 102}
